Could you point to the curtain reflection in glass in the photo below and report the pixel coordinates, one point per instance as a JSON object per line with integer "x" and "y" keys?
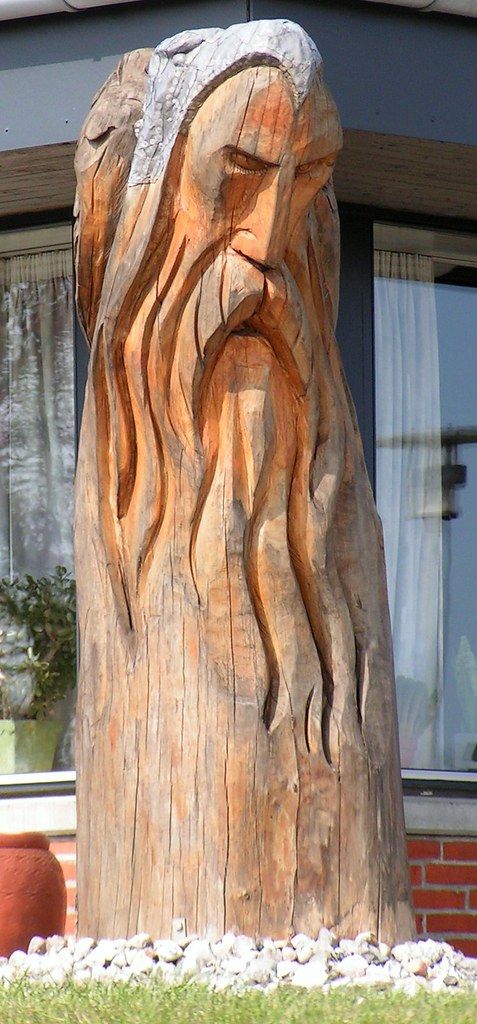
{"x": 409, "y": 493}
{"x": 37, "y": 444}
{"x": 36, "y": 413}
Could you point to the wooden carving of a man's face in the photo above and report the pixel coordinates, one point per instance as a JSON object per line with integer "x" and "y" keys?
{"x": 254, "y": 163}
{"x": 236, "y": 672}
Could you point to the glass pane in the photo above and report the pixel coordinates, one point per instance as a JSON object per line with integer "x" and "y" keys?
{"x": 457, "y": 321}
{"x": 426, "y": 432}
{"x": 37, "y": 451}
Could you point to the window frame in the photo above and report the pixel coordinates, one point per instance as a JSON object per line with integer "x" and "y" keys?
{"x": 355, "y": 332}
{"x": 416, "y": 782}
{"x": 54, "y": 784}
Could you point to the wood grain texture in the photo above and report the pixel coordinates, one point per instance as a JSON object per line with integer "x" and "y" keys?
{"x": 412, "y": 175}
{"x": 237, "y": 746}
{"x": 37, "y": 180}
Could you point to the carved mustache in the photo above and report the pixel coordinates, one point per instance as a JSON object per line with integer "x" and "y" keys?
{"x": 235, "y": 295}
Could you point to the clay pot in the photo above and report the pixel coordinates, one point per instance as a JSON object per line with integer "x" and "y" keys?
{"x": 32, "y": 891}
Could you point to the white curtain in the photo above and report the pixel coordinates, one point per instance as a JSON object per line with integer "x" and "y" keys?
{"x": 36, "y": 413}
{"x": 409, "y": 493}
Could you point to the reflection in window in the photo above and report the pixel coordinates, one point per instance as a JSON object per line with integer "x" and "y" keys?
{"x": 426, "y": 485}
{"x": 37, "y": 620}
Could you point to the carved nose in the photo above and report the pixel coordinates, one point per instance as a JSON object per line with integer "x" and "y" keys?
{"x": 242, "y": 249}
{"x": 261, "y": 235}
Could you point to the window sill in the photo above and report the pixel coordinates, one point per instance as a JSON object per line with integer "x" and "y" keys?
{"x": 38, "y": 803}
{"x": 56, "y": 814}
{"x": 38, "y": 784}
{"x": 441, "y": 815}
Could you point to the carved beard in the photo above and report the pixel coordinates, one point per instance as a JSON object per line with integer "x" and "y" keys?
{"x": 241, "y": 481}
{"x": 237, "y": 388}
{"x": 247, "y": 396}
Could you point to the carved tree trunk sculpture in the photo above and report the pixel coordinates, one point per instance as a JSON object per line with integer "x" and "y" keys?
{"x": 237, "y": 748}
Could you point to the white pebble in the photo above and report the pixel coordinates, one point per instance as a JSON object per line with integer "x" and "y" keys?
{"x": 168, "y": 950}
{"x": 243, "y": 946}
{"x": 222, "y": 983}
{"x": 101, "y": 954}
{"x": 234, "y": 964}
{"x": 100, "y": 973}
{"x": 166, "y": 971}
{"x": 305, "y": 952}
{"x": 432, "y": 951}
{"x": 394, "y": 969}
{"x": 37, "y": 945}
{"x": 83, "y": 947}
{"x": 6, "y": 975}
{"x": 310, "y": 975}
{"x": 18, "y": 958}
{"x": 199, "y": 952}
{"x": 288, "y": 953}
{"x": 227, "y": 942}
{"x": 238, "y": 962}
{"x": 377, "y": 976}
{"x": 284, "y": 969}
{"x": 347, "y": 946}
{"x": 37, "y": 965}
{"x": 354, "y": 966}
{"x": 141, "y": 963}
{"x": 57, "y": 975}
{"x": 410, "y": 986}
{"x": 55, "y": 942}
{"x": 140, "y": 941}
{"x": 119, "y": 959}
{"x": 326, "y": 938}
{"x": 260, "y": 971}
{"x": 417, "y": 966}
{"x": 82, "y": 975}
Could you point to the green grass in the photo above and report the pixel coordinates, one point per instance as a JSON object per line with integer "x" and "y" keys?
{"x": 156, "y": 1004}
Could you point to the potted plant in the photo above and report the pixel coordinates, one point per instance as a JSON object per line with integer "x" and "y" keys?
{"x": 37, "y": 666}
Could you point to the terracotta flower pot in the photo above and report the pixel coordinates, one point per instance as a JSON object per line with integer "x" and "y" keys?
{"x": 32, "y": 891}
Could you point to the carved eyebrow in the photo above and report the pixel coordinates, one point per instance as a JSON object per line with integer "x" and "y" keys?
{"x": 234, "y": 151}
{"x": 310, "y": 165}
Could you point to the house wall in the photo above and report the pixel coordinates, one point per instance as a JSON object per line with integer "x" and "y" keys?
{"x": 443, "y": 874}
{"x": 444, "y": 882}
{"x": 394, "y": 71}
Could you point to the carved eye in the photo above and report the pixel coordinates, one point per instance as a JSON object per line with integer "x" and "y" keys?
{"x": 315, "y": 168}
{"x": 245, "y": 163}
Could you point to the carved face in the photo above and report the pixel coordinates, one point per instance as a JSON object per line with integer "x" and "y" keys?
{"x": 254, "y": 163}
{"x": 220, "y": 364}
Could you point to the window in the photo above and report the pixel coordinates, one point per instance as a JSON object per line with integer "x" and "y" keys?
{"x": 37, "y": 454}
{"x": 426, "y": 485}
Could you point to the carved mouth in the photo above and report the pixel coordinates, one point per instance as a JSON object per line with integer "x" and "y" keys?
{"x": 264, "y": 268}
{"x": 249, "y": 330}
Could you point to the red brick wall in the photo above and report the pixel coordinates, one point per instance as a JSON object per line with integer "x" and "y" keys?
{"x": 444, "y": 883}
{"x": 443, "y": 877}
{"x": 64, "y": 848}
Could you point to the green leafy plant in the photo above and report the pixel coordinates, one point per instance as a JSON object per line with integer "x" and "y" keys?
{"x": 37, "y": 643}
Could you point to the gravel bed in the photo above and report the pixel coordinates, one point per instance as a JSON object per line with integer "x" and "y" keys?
{"x": 237, "y": 963}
